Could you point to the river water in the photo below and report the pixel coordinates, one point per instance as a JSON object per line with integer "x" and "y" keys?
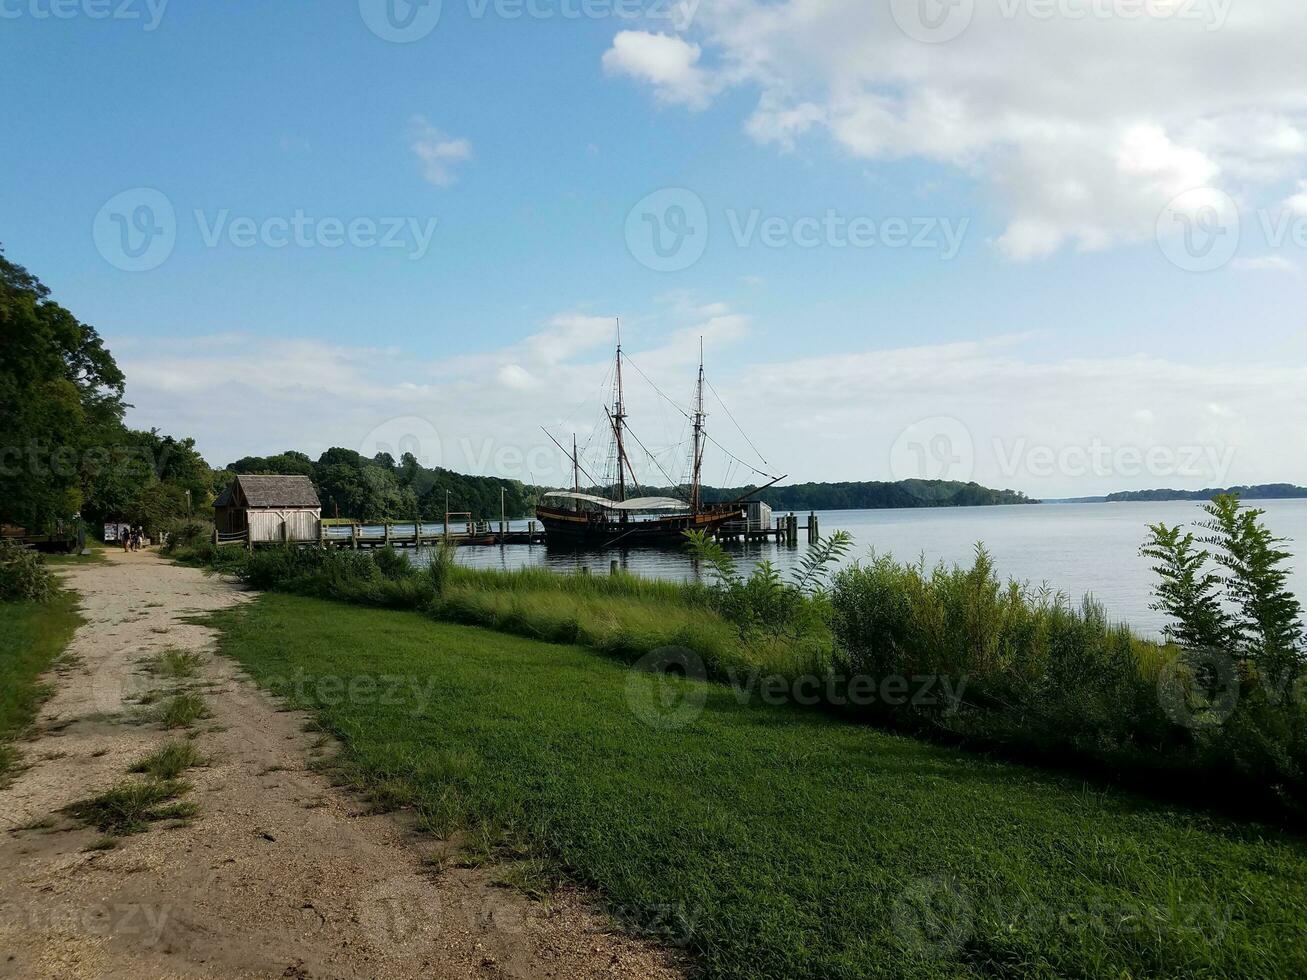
{"x": 1077, "y": 549}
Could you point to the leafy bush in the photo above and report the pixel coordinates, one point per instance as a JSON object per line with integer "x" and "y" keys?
{"x": 764, "y": 602}
{"x": 1035, "y": 669}
{"x": 24, "y": 576}
{"x": 1241, "y": 631}
{"x": 188, "y": 536}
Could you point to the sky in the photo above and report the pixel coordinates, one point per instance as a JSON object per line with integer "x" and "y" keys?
{"x": 1057, "y": 246}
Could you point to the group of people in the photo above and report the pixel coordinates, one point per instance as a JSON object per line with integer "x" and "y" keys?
{"x": 132, "y": 538}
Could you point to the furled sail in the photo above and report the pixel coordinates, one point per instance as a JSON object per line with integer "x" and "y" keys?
{"x": 634, "y": 504}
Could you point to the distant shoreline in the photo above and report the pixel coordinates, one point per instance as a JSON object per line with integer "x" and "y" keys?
{"x": 1260, "y": 491}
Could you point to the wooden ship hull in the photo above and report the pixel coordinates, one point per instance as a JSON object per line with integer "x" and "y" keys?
{"x": 595, "y": 529}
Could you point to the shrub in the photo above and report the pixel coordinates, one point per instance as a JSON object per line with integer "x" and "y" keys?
{"x": 763, "y": 602}
{"x": 1036, "y": 674}
{"x": 1241, "y": 621}
{"x": 188, "y": 536}
{"x": 24, "y": 576}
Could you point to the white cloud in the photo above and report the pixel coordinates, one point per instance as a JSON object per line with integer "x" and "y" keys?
{"x": 664, "y": 61}
{"x": 1084, "y": 126}
{"x": 437, "y": 153}
{"x": 1266, "y": 263}
{"x": 1297, "y": 204}
{"x": 831, "y": 417}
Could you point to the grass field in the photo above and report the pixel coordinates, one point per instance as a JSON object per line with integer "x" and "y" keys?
{"x": 32, "y": 635}
{"x": 775, "y": 841}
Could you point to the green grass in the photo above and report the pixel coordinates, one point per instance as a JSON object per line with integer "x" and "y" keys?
{"x": 32, "y": 635}
{"x": 169, "y": 761}
{"x": 174, "y": 663}
{"x": 181, "y": 710}
{"x": 621, "y": 615}
{"x": 777, "y": 842}
{"x": 96, "y": 556}
{"x": 131, "y": 807}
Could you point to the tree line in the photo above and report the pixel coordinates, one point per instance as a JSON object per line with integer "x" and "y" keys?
{"x": 66, "y": 451}
{"x": 380, "y": 489}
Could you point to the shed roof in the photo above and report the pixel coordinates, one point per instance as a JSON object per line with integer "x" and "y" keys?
{"x": 272, "y": 491}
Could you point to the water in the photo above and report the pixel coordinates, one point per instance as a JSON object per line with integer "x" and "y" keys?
{"x": 1078, "y": 549}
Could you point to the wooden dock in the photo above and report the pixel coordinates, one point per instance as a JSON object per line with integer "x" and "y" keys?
{"x": 410, "y": 534}
{"x": 401, "y": 534}
{"x": 785, "y": 530}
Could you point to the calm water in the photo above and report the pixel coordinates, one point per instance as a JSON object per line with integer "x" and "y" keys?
{"x": 1073, "y": 548}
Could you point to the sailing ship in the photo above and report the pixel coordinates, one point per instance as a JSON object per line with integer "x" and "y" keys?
{"x": 571, "y": 517}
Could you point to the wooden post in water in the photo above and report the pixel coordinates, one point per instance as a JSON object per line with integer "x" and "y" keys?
{"x": 354, "y": 536}
{"x": 612, "y": 567}
{"x": 814, "y": 529}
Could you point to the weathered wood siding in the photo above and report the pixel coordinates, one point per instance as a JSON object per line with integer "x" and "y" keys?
{"x": 300, "y": 525}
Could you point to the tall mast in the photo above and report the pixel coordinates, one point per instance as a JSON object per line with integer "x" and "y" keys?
{"x": 698, "y": 436}
{"x": 576, "y": 474}
{"x": 619, "y": 416}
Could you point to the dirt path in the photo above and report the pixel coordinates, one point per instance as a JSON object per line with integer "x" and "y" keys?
{"x": 278, "y": 875}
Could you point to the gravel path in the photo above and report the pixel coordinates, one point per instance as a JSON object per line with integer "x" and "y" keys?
{"x": 279, "y": 875}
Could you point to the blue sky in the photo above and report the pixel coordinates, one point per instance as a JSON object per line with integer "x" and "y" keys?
{"x": 1061, "y": 322}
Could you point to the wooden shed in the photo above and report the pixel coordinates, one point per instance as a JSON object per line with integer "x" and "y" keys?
{"x": 270, "y": 508}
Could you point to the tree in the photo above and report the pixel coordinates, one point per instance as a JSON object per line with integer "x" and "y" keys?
{"x": 1247, "y": 610}
{"x": 61, "y": 397}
